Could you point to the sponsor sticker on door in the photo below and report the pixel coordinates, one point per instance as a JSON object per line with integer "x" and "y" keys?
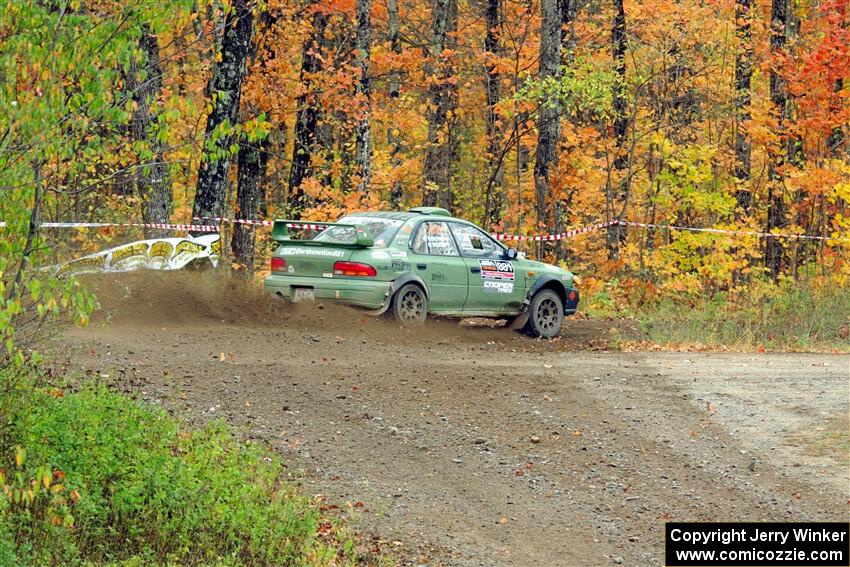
{"x": 497, "y": 270}
{"x": 496, "y": 286}
{"x": 498, "y": 276}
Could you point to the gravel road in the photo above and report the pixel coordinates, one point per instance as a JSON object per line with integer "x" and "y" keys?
{"x": 465, "y": 445}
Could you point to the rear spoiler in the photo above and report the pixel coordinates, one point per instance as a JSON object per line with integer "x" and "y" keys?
{"x": 280, "y": 233}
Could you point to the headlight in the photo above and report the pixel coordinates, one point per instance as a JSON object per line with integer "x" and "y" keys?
{"x": 576, "y": 280}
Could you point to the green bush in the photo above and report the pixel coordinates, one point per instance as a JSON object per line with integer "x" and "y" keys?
{"x": 94, "y": 477}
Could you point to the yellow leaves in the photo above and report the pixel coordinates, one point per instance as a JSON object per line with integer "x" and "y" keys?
{"x": 20, "y": 456}
{"x": 842, "y": 191}
{"x": 311, "y": 187}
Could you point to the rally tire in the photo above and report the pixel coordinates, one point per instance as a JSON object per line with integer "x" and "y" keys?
{"x": 545, "y": 314}
{"x": 410, "y": 305}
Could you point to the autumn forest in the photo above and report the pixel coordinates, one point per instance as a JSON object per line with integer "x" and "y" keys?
{"x": 526, "y": 116}
{"x": 686, "y": 162}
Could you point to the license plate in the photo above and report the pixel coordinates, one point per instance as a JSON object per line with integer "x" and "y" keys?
{"x": 303, "y": 294}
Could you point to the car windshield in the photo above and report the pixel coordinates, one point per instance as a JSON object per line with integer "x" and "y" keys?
{"x": 381, "y": 230}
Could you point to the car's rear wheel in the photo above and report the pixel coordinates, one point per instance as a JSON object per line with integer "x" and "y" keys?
{"x": 410, "y": 306}
{"x": 546, "y": 314}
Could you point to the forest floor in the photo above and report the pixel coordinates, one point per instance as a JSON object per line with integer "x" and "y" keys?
{"x": 473, "y": 445}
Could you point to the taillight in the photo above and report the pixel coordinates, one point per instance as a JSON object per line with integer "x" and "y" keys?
{"x": 278, "y": 264}
{"x": 354, "y": 269}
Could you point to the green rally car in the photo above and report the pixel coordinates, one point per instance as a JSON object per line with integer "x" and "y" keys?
{"x": 415, "y": 263}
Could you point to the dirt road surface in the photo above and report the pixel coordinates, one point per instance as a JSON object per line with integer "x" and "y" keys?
{"x": 458, "y": 445}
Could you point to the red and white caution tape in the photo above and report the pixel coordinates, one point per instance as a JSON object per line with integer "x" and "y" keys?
{"x": 165, "y": 226}
{"x": 259, "y": 222}
{"x": 313, "y": 226}
{"x": 559, "y": 236}
{"x": 574, "y": 232}
{"x": 298, "y": 225}
{"x": 568, "y": 233}
{"x": 728, "y": 231}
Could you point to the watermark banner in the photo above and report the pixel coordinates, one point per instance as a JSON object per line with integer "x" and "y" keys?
{"x": 745, "y": 544}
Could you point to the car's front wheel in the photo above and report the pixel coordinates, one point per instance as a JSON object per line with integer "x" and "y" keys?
{"x": 546, "y": 314}
{"x": 410, "y": 306}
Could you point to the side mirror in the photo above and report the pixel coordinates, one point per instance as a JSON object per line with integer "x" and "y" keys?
{"x": 512, "y": 253}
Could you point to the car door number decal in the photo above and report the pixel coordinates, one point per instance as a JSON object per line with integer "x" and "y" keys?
{"x": 498, "y": 276}
{"x": 496, "y": 270}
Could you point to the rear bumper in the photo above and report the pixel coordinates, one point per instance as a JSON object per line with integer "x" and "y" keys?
{"x": 361, "y": 292}
{"x": 571, "y": 303}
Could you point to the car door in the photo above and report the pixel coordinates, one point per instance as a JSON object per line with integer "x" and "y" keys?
{"x": 494, "y": 285}
{"x": 435, "y": 259}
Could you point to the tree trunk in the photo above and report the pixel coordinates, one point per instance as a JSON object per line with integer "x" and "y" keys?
{"x": 621, "y": 119}
{"x": 568, "y": 44}
{"x": 493, "y": 195}
{"x": 743, "y": 80}
{"x": 393, "y": 135}
{"x": 363, "y": 146}
{"x": 153, "y": 180}
{"x": 616, "y": 195}
{"x": 442, "y": 140}
{"x": 306, "y": 116}
{"x": 779, "y": 98}
{"x": 549, "y": 115}
{"x": 568, "y": 36}
{"x": 251, "y": 161}
{"x": 227, "y": 89}
{"x": 796, "y": 155}
{"x": 15, "y": 290}
{"x": 836, "y": 137}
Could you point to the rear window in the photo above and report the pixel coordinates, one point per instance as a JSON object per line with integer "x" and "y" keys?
{"x": 382, "y": 230}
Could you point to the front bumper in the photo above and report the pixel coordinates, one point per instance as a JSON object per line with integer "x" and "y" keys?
{"x": 571, "y": 301}
{"x": 367, "y": 293}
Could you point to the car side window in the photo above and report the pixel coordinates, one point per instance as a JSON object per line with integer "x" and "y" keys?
{"x": 434, "y": 238}
{"x": 474, "y": 242}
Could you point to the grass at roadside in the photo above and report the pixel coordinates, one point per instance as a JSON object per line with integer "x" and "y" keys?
{"x": 791, "y": 316}
{"x": 830, "y": 439}
{"x": 94, "y": 477}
